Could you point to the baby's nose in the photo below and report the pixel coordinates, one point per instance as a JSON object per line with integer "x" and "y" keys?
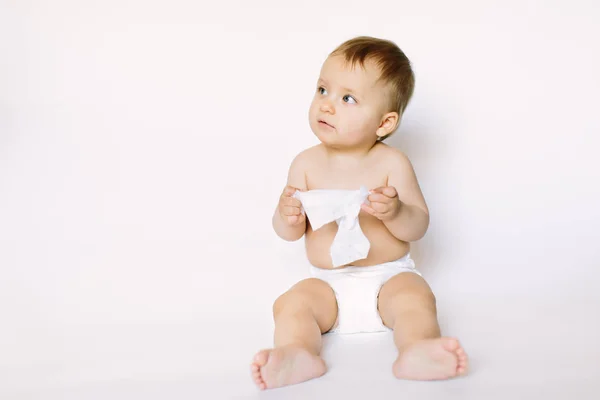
{"x": 327, "y": 106}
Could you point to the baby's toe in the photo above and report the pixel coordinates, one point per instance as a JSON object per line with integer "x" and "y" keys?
{"x": 450, "y": 344}
{"x": 260, "y": 359}
{"x": 462, "y": 356}
{"x": 463, "y": 364}
{"x": 258, "y": 380}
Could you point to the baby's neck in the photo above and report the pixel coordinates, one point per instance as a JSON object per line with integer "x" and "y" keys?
{"x": 348, "y": 156}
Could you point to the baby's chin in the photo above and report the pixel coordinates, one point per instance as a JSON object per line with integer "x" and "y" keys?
{"x": 325, "y": 138}
{"x": 333, "y": 144}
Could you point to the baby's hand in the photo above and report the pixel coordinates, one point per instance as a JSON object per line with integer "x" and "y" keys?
{"x": 290, "y": 208}
{"x": 385, "y": 203}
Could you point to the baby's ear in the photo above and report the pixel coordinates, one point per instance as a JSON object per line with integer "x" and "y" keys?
{"x": 389, "y": 123}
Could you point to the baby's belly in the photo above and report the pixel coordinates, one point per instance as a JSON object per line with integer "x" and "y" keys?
{"x": 384, "y": 246}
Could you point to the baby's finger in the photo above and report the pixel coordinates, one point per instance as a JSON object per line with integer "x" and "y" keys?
{"x": 290, "y": 201}
{"x": 378, "y": 198}
{"x": 289, "y": 191}
{"x": 379, "y": 207}
{"x": 388, "y": 191}
{"x": 287, "y": 210}
{"x": 294, "y": 219}
{"x": 368, "y": 210}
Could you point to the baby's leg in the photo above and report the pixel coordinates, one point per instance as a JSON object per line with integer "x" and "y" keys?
{"x": 301, "y": 315}
{"x": 407, "y": 305}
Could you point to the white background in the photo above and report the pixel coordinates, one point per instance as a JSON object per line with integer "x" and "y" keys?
{"x": 143, "y": 147}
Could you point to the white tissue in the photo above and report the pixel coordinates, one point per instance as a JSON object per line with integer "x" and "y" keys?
{"x": 343, "y": 206}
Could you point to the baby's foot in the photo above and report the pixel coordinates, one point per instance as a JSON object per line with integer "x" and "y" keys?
{"x": 431, "y": 359}
{"x": 285, "y": 366}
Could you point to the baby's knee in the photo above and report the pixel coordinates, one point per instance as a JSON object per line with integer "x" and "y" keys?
{"x": 290, "y": 301}
{"x": 297, "y": 298}
{"x": 413, "y": 299}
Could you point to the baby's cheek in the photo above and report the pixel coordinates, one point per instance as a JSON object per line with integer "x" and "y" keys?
{"x": 357, "y": 128}
{"x": 363, "y": 121}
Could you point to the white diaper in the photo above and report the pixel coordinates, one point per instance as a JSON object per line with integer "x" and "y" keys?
{"x": 357, "y": 290}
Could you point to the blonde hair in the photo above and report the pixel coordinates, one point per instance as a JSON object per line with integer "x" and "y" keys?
{"x": 395, "y": 67}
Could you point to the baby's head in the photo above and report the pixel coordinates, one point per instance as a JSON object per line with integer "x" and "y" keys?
{"x": 363, "y": 89}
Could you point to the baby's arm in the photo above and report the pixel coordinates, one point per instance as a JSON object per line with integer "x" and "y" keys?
{"x": 291, "y": 228}
{"x": 412, "y": 220}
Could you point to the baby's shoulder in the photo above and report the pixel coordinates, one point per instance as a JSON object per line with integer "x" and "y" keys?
{"x": 389, "y": 155}
{"x": 308, "y": 156}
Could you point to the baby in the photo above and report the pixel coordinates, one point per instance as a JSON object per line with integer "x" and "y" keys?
{"x": 362, "y": 92}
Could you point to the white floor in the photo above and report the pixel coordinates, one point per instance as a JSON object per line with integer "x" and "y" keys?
{"x": 520, "y": 348}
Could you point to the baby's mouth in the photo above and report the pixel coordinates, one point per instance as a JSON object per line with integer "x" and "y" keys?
{"x": 321, "y": 122}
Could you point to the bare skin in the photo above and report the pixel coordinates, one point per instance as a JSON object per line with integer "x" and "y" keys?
{"x": 407, "y": 305}
{"x": 301, "y": 315}
{"x": 350, "y": 156}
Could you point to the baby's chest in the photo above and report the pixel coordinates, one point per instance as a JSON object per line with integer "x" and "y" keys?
{"x": 337, "y": 179}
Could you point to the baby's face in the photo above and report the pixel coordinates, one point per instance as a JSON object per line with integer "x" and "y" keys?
{"x": 349, "y": 103}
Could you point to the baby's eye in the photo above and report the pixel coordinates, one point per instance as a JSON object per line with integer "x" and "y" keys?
{"x": 322, "y": 90}
{"x": 349, "y": 99}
